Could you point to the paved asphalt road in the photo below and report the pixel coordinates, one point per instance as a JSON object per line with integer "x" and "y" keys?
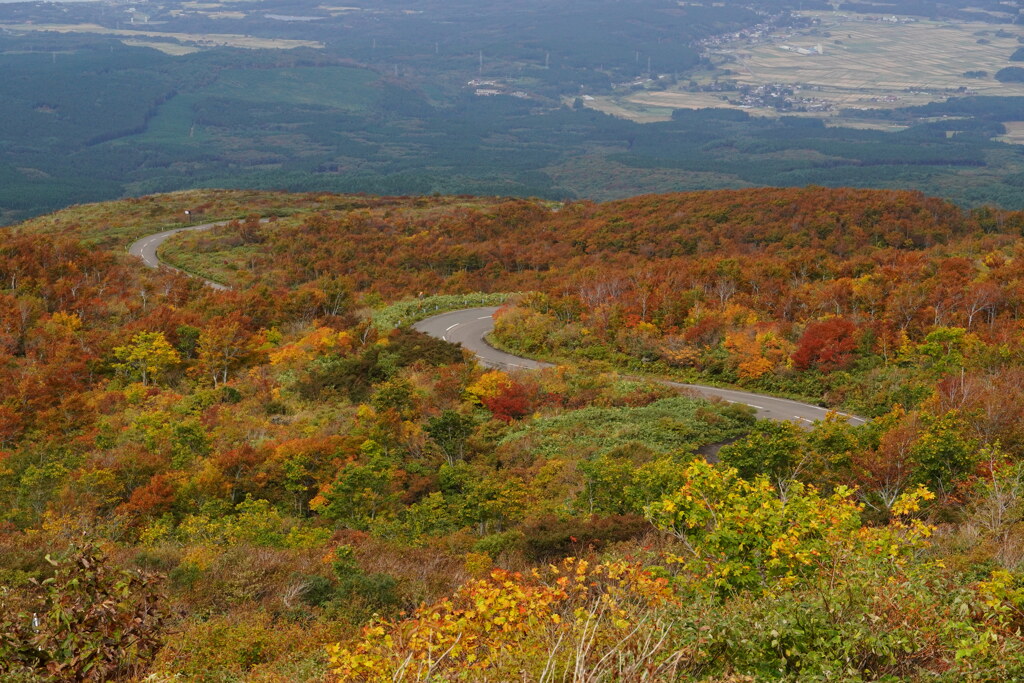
{"x": 145, "y": 248}
{"x": 469, "y": 327}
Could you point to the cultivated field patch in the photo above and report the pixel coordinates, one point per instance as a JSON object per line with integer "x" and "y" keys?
{"x": 195, "y": 39}
{"x": 864, "y": 55}
{"x": 846, "y": 63}
{"x": 173, "y": 49}
{"x": 1014, "y": 132}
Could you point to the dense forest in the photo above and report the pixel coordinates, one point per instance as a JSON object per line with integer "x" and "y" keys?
{"x": 283, "y": 481}
{"x": 383, "y": 102}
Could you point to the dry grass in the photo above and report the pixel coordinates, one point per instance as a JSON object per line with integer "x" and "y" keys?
{"x": 196, "y": 39}
{"x": 1014, "y": 133}
{"x": 225, "y": 15}
{"x": 633, "y": 110}
{"x": 173, "y": 49}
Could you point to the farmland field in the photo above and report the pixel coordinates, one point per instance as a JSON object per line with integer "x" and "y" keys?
{"x": 865, "y": 63}
{"x": 862, "y": 56}
{"x": 196, "y": 39}
{"x": 101, "y": 103}
{"x": 1014, "y": 132}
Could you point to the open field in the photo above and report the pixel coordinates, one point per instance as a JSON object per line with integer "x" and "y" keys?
{"x": 865, "y": 63}
{"x": 863, "y": 57}
{"x": 1014, "y": 132}
{"x": 635, "y": 110}
{"x": 658, "y": 106}
{"x": 173, "y": 49}
{"x": 197, "y": 39}
{"x": 333, "y": 86}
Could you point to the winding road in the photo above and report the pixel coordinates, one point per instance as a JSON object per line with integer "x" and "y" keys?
{"x": 146, "y": 247}
{"x": 470, "y": 327}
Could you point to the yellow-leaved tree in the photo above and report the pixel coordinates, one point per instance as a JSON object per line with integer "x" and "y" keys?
{"x": 146, "y": 357}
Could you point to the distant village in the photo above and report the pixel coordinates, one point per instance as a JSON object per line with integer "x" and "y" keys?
{"x": 758, "y": 34}
{"x": 490, "y": 88}
{"x": 781, "y": 97}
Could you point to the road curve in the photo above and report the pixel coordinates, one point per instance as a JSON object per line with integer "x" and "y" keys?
{"x": 145, "y": 248}
{"x": 470, "y": 327}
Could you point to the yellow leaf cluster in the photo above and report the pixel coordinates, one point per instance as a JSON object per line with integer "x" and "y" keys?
{"x": 489, "y": 385}
{"x": 496, "y": 626}
{"x": 320, "y": 341}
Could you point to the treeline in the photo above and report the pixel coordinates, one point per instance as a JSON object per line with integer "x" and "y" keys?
{"x": 984, "y": 107}
{"x": 1010, "y": 74}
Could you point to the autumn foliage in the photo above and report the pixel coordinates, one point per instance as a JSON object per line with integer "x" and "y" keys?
{"x": 301, "y": 475}
{"x": 826, "y": 345}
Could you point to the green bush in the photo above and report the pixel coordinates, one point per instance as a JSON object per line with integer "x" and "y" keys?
{"x": 495, "y": 544}
{"x": 359, "y": 594}
{"x": 88, "y": 621}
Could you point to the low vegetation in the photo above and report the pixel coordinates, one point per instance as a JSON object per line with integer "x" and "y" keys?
{"x": 274, "y": 483}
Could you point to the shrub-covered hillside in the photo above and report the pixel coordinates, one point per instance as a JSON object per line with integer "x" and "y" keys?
{"x": 273, "y": 483}
{"x": 862, "y": 298}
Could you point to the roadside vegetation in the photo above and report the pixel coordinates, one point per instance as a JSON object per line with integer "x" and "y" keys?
{"x": 271, "y": 484}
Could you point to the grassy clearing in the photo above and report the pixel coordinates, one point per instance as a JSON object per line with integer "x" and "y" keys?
{"x": 634, "y": 109}
{"x": 217, "y": 254}
{"x": 225, "y": 268}
{"x": 670, "y": 426}
{"x": 337, "y": 87}
{"x": 173, "y": 125}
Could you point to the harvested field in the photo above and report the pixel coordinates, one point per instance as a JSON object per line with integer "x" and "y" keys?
{"x": 864, "y": 63}
{"x": 863, "y": 56}
{"x": 1014, "y": 132}
{"x": 196, "y": 39}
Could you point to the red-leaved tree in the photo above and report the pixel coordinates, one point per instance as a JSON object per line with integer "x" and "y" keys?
{"x": 826, "y": 345}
